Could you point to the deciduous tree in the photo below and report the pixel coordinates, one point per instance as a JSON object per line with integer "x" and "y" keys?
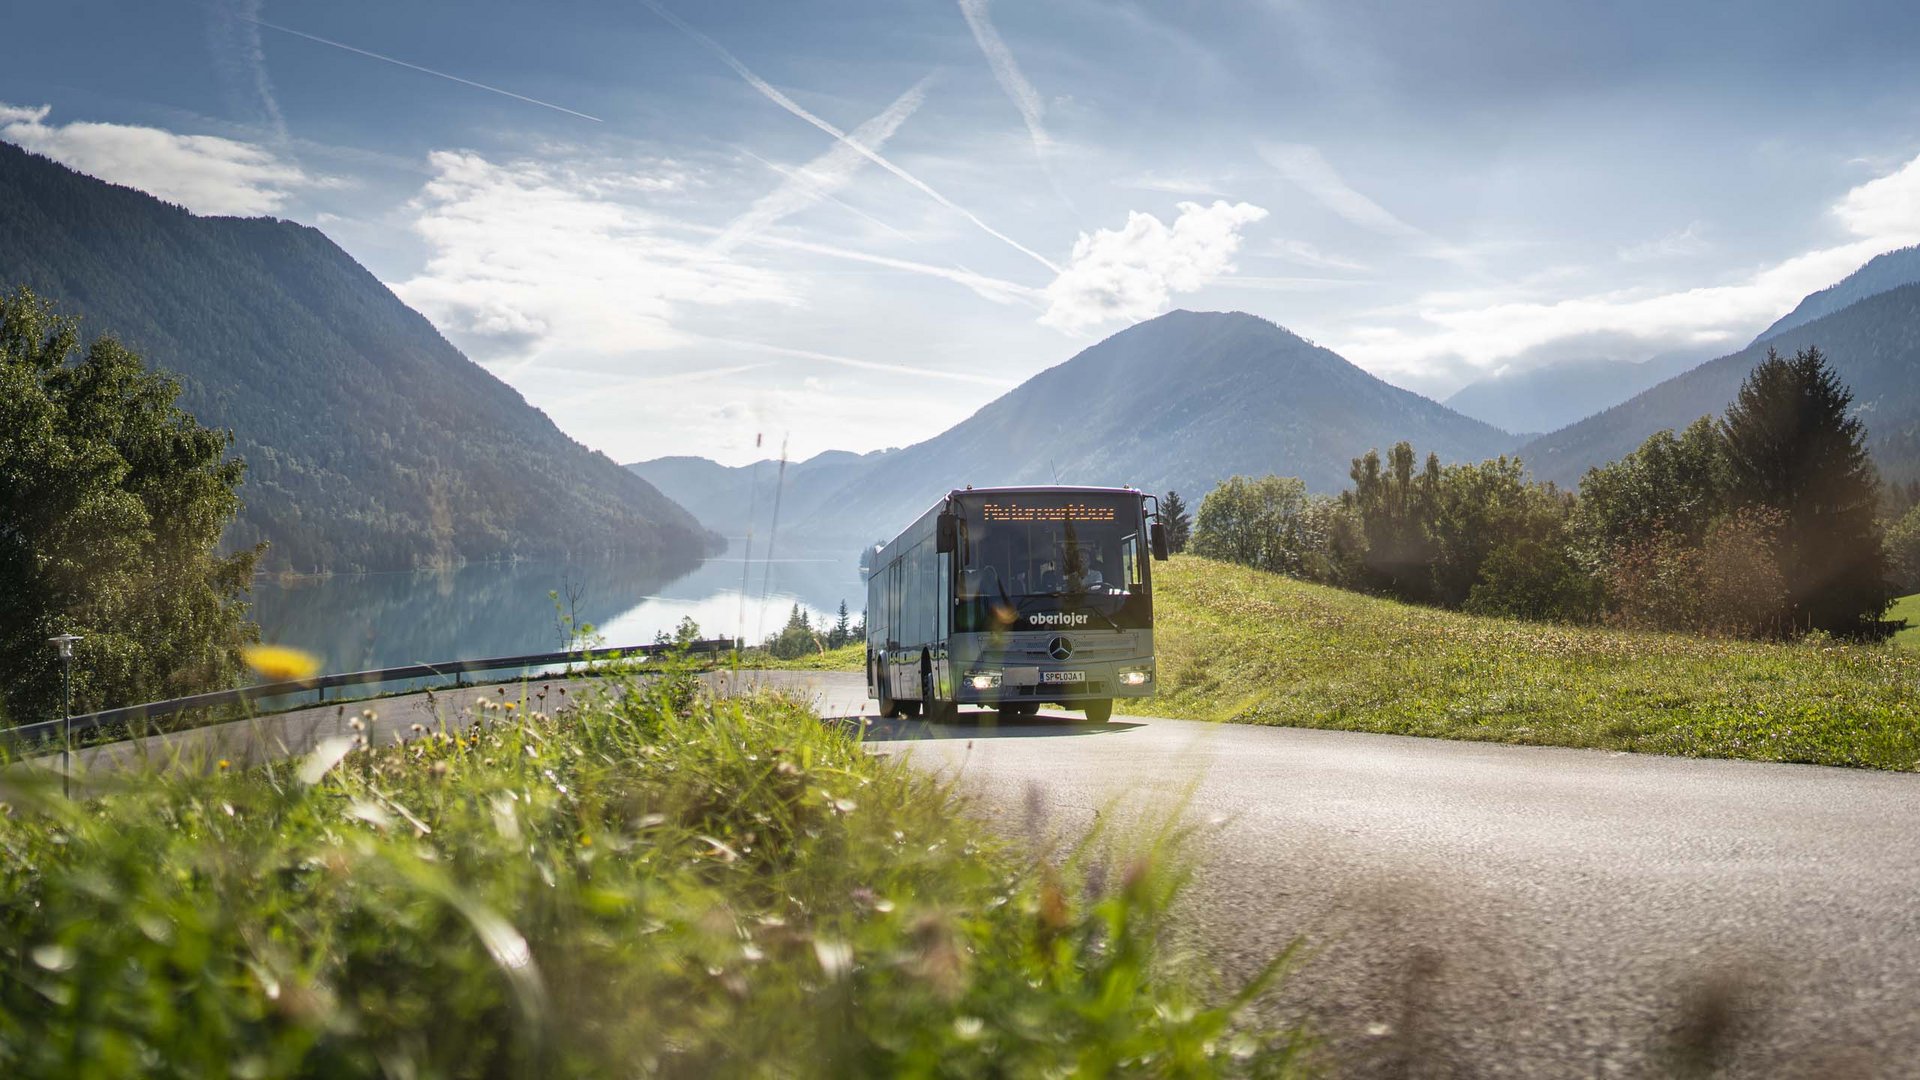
{"x": 112, "y": 504}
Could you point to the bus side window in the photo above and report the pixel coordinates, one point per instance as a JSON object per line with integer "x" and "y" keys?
{"x": 1130, "y": 559}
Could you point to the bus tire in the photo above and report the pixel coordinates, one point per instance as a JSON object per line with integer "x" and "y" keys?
{"x": 937, "y": 711}
{"x": 1100, "y": 711}
{"x": 883, "y": 694}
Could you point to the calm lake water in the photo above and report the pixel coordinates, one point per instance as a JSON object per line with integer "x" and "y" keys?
{"x": 355, "y": 622}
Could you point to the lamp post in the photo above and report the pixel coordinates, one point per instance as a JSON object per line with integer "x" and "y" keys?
{"x": 64, "y": 643}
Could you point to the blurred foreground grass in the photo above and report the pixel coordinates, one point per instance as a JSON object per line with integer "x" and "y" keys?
{"x": 669, "y": 885}
{"x": 1238, "y": 644}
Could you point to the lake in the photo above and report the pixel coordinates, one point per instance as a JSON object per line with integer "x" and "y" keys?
{"x": 355, "y": 622}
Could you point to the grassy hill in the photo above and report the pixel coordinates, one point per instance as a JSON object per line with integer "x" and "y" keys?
{"x": 1240, "y": 645}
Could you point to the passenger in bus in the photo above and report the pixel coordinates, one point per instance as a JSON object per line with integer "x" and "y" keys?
{"x": 1050, "y": 580}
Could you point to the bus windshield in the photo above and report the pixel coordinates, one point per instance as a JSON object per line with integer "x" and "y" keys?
{"x": 1038, "y": 554}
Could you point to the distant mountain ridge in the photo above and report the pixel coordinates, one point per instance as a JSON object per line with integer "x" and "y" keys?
{"x": 370, "y": 441}
{"x": 1873, "y": 345}
{"x": 1181, "y": 401}
{"x": 1548, "y": 398}
{"x": 1882, "y": 273}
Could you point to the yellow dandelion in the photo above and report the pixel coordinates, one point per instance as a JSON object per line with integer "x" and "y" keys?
{"x": 280, "y": 662}
{"x": 510, "y": 706}
{"x": 225, "y": 764}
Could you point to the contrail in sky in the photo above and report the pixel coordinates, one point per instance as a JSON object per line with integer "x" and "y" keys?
{"x": 820, "y": 178}
{"x": 425, "y": 70}
{"x": 1000, "y": 59}
{"x": 774, "y": 95}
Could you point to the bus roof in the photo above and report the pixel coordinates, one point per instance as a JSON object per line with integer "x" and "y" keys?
{"x": 1066, "y": 489}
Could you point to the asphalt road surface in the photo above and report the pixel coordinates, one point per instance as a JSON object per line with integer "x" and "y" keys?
{"x": 1467, "y": 909}
{"x": 1480, "y": 910}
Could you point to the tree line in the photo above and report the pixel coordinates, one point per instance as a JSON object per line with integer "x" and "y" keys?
{"x": 1769, "y": 521}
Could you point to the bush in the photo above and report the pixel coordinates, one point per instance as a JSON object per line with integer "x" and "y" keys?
{"x": 1728, "y": 585}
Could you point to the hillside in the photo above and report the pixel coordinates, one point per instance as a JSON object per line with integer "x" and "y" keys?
{"x": 1241, "y": 645}
{"x": 722, "y": 497}
{"x": 1881, "y": 274}
{"x": 1549, "y": 398}
{"x": 370, "y": 442}
{"x": 1181, "y": 401}
{"x": 1873, "y": 346}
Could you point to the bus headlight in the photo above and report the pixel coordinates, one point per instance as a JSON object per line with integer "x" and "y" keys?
{"x": 1135, "y": 678}
{"x": 984, "y": 680}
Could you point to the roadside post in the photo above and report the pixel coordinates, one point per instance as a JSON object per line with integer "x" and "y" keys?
{"x": 64, "y": 643}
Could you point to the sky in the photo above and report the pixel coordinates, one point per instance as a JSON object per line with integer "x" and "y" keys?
{"x": 719, "y": 228}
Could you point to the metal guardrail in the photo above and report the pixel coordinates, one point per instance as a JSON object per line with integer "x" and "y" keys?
{"x": 320, "y": 684}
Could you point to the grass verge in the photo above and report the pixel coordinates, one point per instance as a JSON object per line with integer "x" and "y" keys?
{"x": 845, "y": 658}
{"x": 1908, "y": 608}
{"x": 668, "y": 885}
{"x": 1238, "y": 644}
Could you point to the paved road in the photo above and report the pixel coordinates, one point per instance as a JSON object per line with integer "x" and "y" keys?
{"x": 1471, "y": 910}
{"x": 1478, "y": 910}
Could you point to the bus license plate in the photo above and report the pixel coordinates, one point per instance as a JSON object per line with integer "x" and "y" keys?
{"x": 1063, "y": 676}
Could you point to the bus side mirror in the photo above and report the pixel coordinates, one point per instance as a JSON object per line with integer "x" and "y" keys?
{"x": 1157, "y": 537}
{"x": 946, "y": 534}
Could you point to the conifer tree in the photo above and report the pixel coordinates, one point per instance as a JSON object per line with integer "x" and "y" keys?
{"x": 1793, "y": 445}
{"x": 1173, "y": 509}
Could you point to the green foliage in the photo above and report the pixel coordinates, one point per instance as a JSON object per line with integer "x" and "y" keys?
{"x": 1673, "y": 486}
{"x": 1727, "y": 584}
{"x": 1173, "y": 510}
{"x": 1394, "y": 506}
{"x": 1237, "y": 644}
{"x": 645, "y": 887}
{"x": 797, "y": 638}
{"x": 1262, "y": 522}
{"x": 1903, "y": 551}
{"x": 1793, "y": 445}
{"x": 371, "y": 442}
{"x": 112, "y": 502}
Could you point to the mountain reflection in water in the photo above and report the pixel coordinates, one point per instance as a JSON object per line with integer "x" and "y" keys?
{"x": 359, "y": 621}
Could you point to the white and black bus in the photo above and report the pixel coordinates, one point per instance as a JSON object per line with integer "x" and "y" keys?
{"x": 1014, "y": 598}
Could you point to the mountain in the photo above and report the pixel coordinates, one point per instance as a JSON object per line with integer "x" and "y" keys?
{"x": 1182, "y": 401}
{"x": 1881, "y": 274}
{"x": 723, "y": 497}
{"x": 370, "y": 442}
{"x": 1872, "y": 345}
{"x": 1549, "y": 398}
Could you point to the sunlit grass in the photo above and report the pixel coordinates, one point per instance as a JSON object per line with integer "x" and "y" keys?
{"x": 845, "y": 658}
{"x": 1237, "y": 644}
{"x": 664, "y": 885}
{"x": 1908, "y": 608}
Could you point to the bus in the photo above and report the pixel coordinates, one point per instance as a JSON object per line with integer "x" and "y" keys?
{"x": 1013, "y": 598}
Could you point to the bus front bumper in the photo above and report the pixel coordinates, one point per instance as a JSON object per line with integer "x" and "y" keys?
{"x": 1062, "y": 684}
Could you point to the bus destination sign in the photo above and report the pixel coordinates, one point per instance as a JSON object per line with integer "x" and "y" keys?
{"x": 1028, "y": 512}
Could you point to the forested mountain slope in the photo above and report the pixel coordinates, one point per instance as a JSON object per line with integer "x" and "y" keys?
{"x": 1873, "y": 346}
{"x": 370, "y": 441}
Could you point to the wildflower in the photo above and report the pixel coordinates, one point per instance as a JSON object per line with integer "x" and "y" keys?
{"x": 510, "y": 706}
{"x": 416, "y": 728}
{"x": 279, "y": 663}
{"x": 225, "y": 764}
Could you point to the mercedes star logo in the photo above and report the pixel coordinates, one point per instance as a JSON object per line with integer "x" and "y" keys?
{"x": 1060, "y": 648}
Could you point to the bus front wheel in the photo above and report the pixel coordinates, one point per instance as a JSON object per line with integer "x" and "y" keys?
{"x": 1100, "y": 711}
{"x": 937, "y": 711}
{"x": 883, "y": 693}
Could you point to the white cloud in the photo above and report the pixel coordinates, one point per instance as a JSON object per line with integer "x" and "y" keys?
{"x": 1130, "y": 273}
{"x": 1887, "y": 207}
{"x": 826, "y": 175}
{"x": 1882, "y": 214}
{"x": 527, "y": 257}
{"x": 204, "y": 173}
{"x": 1007, "y": 72}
